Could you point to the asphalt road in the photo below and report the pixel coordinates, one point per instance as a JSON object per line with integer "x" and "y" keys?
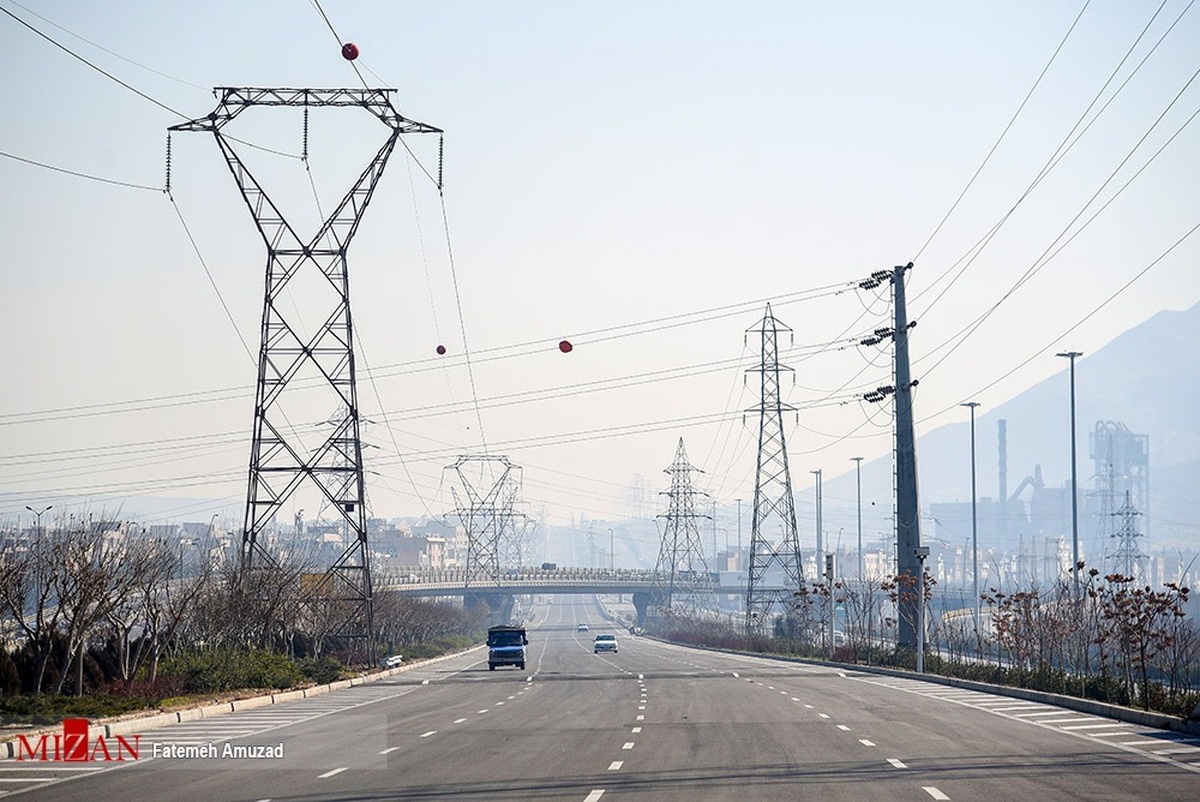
{"x": 652, "y": 722}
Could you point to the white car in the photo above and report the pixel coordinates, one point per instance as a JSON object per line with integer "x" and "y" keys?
{"x": 605, "y": 643}
{"x": 581, "y": 628}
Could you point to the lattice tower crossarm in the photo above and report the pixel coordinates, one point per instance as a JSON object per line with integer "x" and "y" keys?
{"x": 775, "y": 571}
{"x": 683, "y": 585}
{"x": 284, "y": 459}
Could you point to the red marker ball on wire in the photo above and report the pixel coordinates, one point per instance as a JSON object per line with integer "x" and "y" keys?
{"x": 441, "y": 349}
{"x": 349, "y": 51}
{"x": 565, "y": 346}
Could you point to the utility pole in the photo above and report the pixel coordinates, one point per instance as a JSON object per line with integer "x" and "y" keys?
{"x": 1071, "y": 355}
{"x": 775, "y": 571}
{"x": 908, "y": 517}
{"x": 974, "y": 523}
{"x": 858, "y": 496}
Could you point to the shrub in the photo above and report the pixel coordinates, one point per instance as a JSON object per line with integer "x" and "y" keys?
{"x": 227, "y": 670}
{"x": 321, "y": 671}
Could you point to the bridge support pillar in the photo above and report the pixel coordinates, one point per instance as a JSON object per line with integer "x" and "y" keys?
{"x": 495, "y": 605}
{"x": 641, "y": 601}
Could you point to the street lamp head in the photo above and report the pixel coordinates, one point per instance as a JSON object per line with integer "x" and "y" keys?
{"x": 971, "y": 404}
{"x": 1069, "y": 354}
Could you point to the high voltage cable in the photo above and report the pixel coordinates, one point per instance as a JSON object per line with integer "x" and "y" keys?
{"x": 410, "y": 367}
{"x": 98, "y": 69}
{"x": 79, "y": 174}
{"x": 1003, "y": 133}
{"x": 1079, "y": 323}
{"x": 1050, "y": 252}
{"x": 113, "y": 53}
{"x": 1060, "y": 152}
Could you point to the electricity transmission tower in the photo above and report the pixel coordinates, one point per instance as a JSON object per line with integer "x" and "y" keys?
{"x": 490, "y": 489}
{"x": 1127, "y": 558}
{"x": 297, "y": 361}
{"x": 776, "y": 571}
{"x": 682, "y": 582}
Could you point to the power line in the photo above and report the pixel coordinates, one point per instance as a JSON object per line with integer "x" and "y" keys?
{"x": 79, "y": 174}
{"x": 1003, "y": 133}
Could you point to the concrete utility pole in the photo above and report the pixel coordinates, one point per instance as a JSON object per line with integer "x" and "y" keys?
{"x": 1071, "y": 355}
{"x": 908, "y": 518}
{"x": 974, "y": 522}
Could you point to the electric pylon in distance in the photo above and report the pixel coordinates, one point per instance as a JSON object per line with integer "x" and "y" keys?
{"x": 682, "y": 584}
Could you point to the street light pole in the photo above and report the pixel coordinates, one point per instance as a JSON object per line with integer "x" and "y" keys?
{"x": 974, "y": 522}
{"x": 858, "y": 494}
{"x": 38, "y": 530}
{"x": 820, "y": 549}
{"x": 739, "y": 501}
{"x": 612, "y": 564}
{"x": 1071, "y": 355}
{"x": 921, "y": 552}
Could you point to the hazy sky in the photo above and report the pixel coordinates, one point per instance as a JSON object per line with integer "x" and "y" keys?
{"x": 639, "y": 178}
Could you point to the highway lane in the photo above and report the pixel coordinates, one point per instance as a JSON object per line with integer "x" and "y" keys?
{"x": 654, "y": 721}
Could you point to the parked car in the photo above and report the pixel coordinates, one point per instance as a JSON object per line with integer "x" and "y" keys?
{"x": 605, "y": 642}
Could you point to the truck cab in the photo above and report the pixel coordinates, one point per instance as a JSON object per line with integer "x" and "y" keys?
{"x": 506, "y": 646}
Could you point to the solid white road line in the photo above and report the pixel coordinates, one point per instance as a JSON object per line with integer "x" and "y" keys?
{"x": 898, "y": 764}
{"x": 1095, "y": 726}
{"x": 331, "y": 773}
{"x": 933, "y": 792}
{"x": 1182, "y": 750}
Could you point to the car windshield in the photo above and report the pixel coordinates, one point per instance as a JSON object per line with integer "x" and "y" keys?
{"x": 504, "y": 639}
{"x": 606, "y": 637}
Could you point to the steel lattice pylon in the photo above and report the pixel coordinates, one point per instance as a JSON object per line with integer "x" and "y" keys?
{"x": 682, "y": 584}
{"x": 776, "y": 571}
{"x": 1127, "y": 559}
{"x": 486, "y": 514}
{"x": 285, "y": 459}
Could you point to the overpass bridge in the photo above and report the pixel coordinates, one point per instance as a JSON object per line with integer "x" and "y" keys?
{"x": 497, "y": 595}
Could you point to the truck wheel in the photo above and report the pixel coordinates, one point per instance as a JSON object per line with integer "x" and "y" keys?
{"x": 491, "y": 667}
{"x": 522, "y": 666}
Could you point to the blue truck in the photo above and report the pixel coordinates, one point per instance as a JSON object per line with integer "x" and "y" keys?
{"x": 506, "y": 646}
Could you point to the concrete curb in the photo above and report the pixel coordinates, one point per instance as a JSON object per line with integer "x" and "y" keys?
{"x": 152, "y": 720}
{"x": 1128, "y": 714}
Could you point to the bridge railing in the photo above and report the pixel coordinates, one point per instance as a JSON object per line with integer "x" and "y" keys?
{"x": 457, "y": 576}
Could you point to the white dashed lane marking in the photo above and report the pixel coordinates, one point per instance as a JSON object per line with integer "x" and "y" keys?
{"x": 616, "y": 765}
{"x": 843, "y": 727}
{"x": 933, "y": 792}
{"x": 897, "y": 763}
{"x": 865, "y": 742}
{"x": 331, "y": 773}
{"x": 628, "y": 745}
{"x": 389, "y": 750}
{"x": 427, "y": 734}
{"x": 594, "y": 796}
